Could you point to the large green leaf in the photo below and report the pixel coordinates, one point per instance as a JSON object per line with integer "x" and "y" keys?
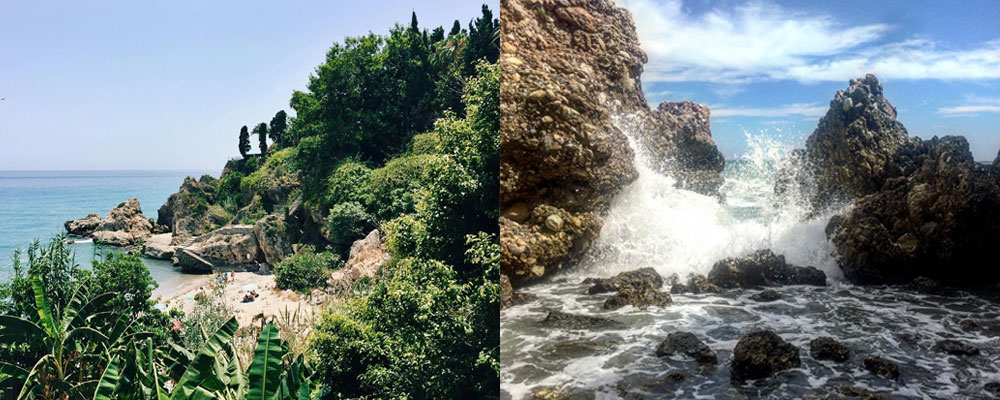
{"x": 108, "y": 384}
{"x": 44, "y": 310}
{"x": 14, "y": 328}
{"x": 15, "y": 376}
{"x": 157, "y": 388}
{"x": 199, "y": 375}
{"x": 265, "y": 369}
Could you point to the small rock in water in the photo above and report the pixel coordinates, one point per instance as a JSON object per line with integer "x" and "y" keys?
{"x": 993, "y": 388}
{"x": 882, "y": 367}
{"x": 762, "y": 353}
{"x": 969, "y": 325}
{"x": 956, "y": 348}
{"x": 633, "y": 278}
{"x": 559, "y": 319}
{"x": 643, "y": 296}
{"x": 688, "y": 344}
{"x": 828, "y": 348}
{"x": 924, "y": 284}
{"x": 845, "y": 392}
{"x": 766, "y": 296}
{"x": 696, "y": 284}
{"x": 762, "y": 268}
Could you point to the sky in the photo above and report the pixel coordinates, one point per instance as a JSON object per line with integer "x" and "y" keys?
{"x": 771, "y": 67}
{"x": 140, "y": 85}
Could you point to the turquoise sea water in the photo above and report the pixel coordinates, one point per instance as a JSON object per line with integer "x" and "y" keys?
{"x": 35, "y": 204}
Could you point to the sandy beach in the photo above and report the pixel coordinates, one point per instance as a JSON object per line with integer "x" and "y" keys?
{"x": 271, "y": 302}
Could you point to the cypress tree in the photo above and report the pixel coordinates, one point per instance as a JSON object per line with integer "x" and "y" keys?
{"x": 456, "y": 28}
{"x": 244, "y": 141}
{"x": 279, "y": 125}
{"x": 261, "y": 131}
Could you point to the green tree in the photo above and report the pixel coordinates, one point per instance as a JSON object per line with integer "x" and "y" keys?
{"x": 279, "y": 125}
{"x": 456, "y": 28}
{"x": 244, "y": 141}
{"x": 261, "y": 131}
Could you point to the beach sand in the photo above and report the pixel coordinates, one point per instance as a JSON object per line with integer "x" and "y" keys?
{"x": 271, "y": 302}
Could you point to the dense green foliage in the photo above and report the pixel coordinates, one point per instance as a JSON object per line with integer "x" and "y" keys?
{"x": 305, "y": 270}
{"x": 279, "y": 125}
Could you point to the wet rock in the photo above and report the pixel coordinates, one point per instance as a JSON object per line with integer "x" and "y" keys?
{"x": 762, "y": 353}
{"x": 530, "y": 250}
{"x": 924, "y": 284}
{"x": 634, "y": 278}
{"x": 641, "y": 296}
{"x": 83, "y": 226}
{"x": 762, "y": 268}
{"x": 992, "y": 388}
{"x": 881, "y": 367}
{"x": 766, "y": 296}
{"x": 851, "y": 152}
{"x": 688, "y": 344}
{"x": 969, "y": 325}
{"x": 559, "y": 319}
{"x": 550, "y": 393}
{"x": 696, "y": 284}
{"x": 506, "y": 292}
{"x": 828, "y": 348}
{"x": 956, "y": 348}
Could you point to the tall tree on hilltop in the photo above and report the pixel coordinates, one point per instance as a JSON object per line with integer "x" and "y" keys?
{"x": 413, "y": 22}
{"x": 279, "y": 124}
{"x": 484, "y": 41}
{"x": 244, "y": 141}
{"x": 437, "y": 35}
{"x": 456, "y": 28}
{"x": 261, "y": 131}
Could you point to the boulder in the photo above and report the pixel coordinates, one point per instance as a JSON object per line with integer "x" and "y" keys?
{"x": 506, "y": 292}
{"x": 534, "y": 249}
{"x": 688, "y": 344}
{"x": 366, "y": 259}
{"x": 696, "y": 284}
{"x": 274, "y": 238}
{"x": 83, "y": 226}
{"x": 641, "y": 296}
{"x": 851, "y": 152}
{"x": 762, "y": 353}
{"x": 881, "y": 367}
{"x": 559, "y": 319}
{"x": 234, "y": 245}
{"x": 956, "y": 348}
{"x": 762, "y": 268}
{"x": 828, "y": 348}
{"x": 766, "y": 296}
{"x": 633, "y": 278}
{"x": 191, "y": 262}
{"x": 992, "y": 388}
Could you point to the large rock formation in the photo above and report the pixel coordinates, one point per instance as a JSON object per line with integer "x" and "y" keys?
{"x": 852, "y": 149}
{"x": 188, "y": 212}
{"x": 366, "y": 259}
{"x": 275, "y": 238}
{"x": 920, "y": 208}
{"x": 229, "y": 245}
{"x": 762, "y": 268}
{"x": 123, "y": 226}
{"x": 568, "y": 67}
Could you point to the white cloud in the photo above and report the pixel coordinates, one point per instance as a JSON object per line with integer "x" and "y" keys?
{"x": 798, "y": 109}
{"x": 759, "y": 42}
{"x": 967, "y": 110}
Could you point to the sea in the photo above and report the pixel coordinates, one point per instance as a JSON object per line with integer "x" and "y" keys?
{"x": 35, "y": 204}
{"x": 651, "y": 223}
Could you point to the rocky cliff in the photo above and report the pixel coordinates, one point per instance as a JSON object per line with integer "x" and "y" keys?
{"x": 123, "y": 226}
{"x": 569, "y": 67}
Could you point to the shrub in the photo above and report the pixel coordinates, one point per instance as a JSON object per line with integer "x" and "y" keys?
{"x": 306, "y": 270}
{"x": 393, "y": 187}
{"x": 228, "y": 192}
{"x": 127, "y": 277}
{"x": 348, "y": 222}
{"x": 348, "y": 182}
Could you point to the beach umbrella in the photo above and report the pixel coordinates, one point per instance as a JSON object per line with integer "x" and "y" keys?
{"x": 250, "y": 286}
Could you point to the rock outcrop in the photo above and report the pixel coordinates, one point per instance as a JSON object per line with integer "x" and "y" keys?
{"x": 762, "y": 268}
{"x": 678, "y": 139}
{"x": 229, "y": 245}
{"x": 881, "y": 367}
{"x": 696, "y": 284}
{"x": 188, "y": 212}
{"x": 568, "y": 67}
{"x": 559, "y": 319}
{"x": 158, "y": 247}
{"x": 852, "y": 150}
{"x": 940, "y": 220}
{"x": 762, "y": 353}
{"x": 83, "y": 226}
{"x": 366, "y": 259}
{"x": 641, "y": 296}
{"x": 766, "y": 296}
{"x": 274, "y": 237}
{"x": 123, "y": 226}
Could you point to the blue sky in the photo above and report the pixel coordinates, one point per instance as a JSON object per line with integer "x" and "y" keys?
{"x": 167, "y": 85}
{"x": 772, "y": 67}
